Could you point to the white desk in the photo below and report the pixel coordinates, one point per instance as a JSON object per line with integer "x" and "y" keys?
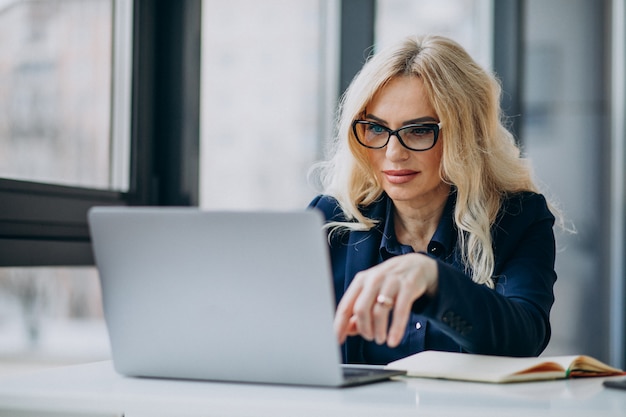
{"x": 96, "y": 390}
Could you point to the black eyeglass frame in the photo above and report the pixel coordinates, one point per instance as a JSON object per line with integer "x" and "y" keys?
{"x": 436, "y": 127}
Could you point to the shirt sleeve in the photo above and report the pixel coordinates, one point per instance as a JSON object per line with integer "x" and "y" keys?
{"x": 513, "y": 318}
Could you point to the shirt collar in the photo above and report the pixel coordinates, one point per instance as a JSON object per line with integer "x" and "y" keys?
{"x": 441, "y": 244}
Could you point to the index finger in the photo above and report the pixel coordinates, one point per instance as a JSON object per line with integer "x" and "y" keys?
{"x": 343, "y": 314}
{"x": 400, "y": 317}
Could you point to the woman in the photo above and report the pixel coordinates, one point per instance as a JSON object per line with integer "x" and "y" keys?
{"x": 439, "y": 238}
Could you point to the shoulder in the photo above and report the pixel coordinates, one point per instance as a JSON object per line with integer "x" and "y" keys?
{"x": 333, "y": 212}
{"x": 525, "y": 205}
{"x": 523, "y": 213}
{"x": 329, "y": 206}
{"x": 523, "y": 238}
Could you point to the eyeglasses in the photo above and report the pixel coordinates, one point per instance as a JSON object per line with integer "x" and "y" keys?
{"x": 416, "y": 137}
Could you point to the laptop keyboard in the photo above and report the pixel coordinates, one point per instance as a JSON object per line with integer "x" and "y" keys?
{"x": 351, "y": 372}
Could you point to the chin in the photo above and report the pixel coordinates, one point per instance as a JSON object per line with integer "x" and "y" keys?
{"x": 400, "y": 196}
{"x": 405, "y": 195}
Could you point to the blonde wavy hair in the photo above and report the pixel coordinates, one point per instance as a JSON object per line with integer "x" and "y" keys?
{"x": 480, "y": 156}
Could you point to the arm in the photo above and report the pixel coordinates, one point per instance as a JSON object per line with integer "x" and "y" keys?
{"x": 513, "y": 319}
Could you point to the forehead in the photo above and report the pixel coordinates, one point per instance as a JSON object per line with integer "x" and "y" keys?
{"x": 401, "y": 98}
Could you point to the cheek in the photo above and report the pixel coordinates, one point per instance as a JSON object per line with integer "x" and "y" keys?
{"x": 374, "y": 165}
{"x": 432, "y": 160}
{"x": 373, "y": 159}
{"x": 435, "y": 158}
{"x": 438, "y": 159}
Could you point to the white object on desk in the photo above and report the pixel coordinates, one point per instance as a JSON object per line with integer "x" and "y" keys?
{"x": 96, "y": 388}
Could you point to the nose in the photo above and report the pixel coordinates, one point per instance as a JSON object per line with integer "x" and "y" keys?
{"x": 395, "y": 151}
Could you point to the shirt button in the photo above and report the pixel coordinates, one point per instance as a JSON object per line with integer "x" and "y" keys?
{"x": 418, "y": 325}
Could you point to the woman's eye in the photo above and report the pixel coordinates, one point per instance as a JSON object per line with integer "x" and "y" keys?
{"x": 376, "y": 129}
{"x": 418, "y": 131}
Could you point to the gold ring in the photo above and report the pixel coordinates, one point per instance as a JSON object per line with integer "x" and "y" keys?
{"x": 384, "y": 301}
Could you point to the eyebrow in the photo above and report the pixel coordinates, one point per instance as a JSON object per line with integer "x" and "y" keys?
{"x": 424, "y": 119}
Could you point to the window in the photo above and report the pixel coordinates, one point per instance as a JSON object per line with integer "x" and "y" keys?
{"x": 564, "y": 93}
{"x": 469, "y": 22}
{"x": 50, "y": 316}
{"x": 57, "y": 75}
{"x": 267, "y": 100}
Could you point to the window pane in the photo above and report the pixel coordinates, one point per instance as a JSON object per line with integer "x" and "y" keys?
{"x": 466, "y": 21}
{"x": 265, "y": 106}
{"x": 50, "y": 317}
{"x": 564, "y": 94}
{"x": 56, "y": 92}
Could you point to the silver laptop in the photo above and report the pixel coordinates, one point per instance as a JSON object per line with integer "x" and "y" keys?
{"x": 226, "y": 296}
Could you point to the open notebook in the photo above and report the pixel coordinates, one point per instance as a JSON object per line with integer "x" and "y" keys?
{"x": 227, "y": 296}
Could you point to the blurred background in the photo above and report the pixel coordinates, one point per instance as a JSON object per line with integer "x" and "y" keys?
{"x": 83, "y": 100}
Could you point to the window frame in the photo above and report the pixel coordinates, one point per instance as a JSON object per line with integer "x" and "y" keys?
{"x": 356, "y": 28}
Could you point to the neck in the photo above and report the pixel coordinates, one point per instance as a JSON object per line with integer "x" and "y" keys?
{"x": 416, "y": 222}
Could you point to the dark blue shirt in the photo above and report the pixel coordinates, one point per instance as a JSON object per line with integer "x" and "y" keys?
{"x": 512, "y": 319}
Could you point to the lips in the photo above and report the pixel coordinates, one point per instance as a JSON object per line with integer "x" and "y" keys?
{"x": 400, "y": 176}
